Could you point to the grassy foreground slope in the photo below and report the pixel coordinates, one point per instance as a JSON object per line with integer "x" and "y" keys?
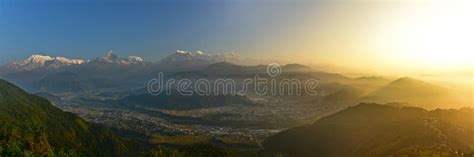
{"x": 30, "y": 125}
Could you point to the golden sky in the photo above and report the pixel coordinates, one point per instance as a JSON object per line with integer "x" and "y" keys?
{"x": 392, "y": 36}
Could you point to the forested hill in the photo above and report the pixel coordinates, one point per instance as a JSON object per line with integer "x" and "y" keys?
{"x": 30, "y": 125}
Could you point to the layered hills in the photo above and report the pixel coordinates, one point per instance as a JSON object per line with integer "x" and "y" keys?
{"x": 379, "y": 130}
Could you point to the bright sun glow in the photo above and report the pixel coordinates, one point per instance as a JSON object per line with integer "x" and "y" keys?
{"x": 438, "y": 34}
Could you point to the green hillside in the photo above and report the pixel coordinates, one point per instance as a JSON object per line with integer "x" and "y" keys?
{"x": 30, "y": 125}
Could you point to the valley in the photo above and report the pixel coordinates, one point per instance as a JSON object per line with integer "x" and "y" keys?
{"x": 241, "y": 123}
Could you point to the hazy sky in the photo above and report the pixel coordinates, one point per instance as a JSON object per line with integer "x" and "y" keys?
{"x": 371, "y": 34}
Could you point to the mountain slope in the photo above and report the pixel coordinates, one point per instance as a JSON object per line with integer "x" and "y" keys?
{"x": 31, "y": 124}
{"x": 418, "y": 93}
{"x": 378, "y": 130}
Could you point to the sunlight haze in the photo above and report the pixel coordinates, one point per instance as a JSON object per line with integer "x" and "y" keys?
{"x": 407, "y": 37}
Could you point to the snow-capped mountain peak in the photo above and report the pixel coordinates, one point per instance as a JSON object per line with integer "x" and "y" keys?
{"x": 110, "y": 57}
{"x": 134, "y": 59}
{"x": 69, "y": 61}
{"x": 42, "y": 60}
{"x": 189, "y": 53}
{"x": 199, "y": 57}
{"x": 37, "y": 61}
{"x": 199, "y": 52}
{"x": 182, "y": 52}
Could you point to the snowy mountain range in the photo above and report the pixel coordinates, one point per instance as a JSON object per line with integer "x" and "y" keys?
{"x": 113, "y": 58}
{"x": 37, "y": 61}
{"x": 44, "y": 73}
{"x": 178, "y": 59}
{"x": 182, "y": 56}
{"x": 53, "y": 63}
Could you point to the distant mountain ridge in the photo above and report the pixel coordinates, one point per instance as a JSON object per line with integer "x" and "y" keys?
{"x": 60, "y": 74}
{"x": 41, "y": 73}
{"x": 113, "y": 58}
{"x": 417, "y": 92}
{"x": 37, "y": 61}
{"x": 186, "y": 60}
{"x": 40, "y": 61}
{"x": 180, "y": 60}
{"x": 199, "y": 56}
